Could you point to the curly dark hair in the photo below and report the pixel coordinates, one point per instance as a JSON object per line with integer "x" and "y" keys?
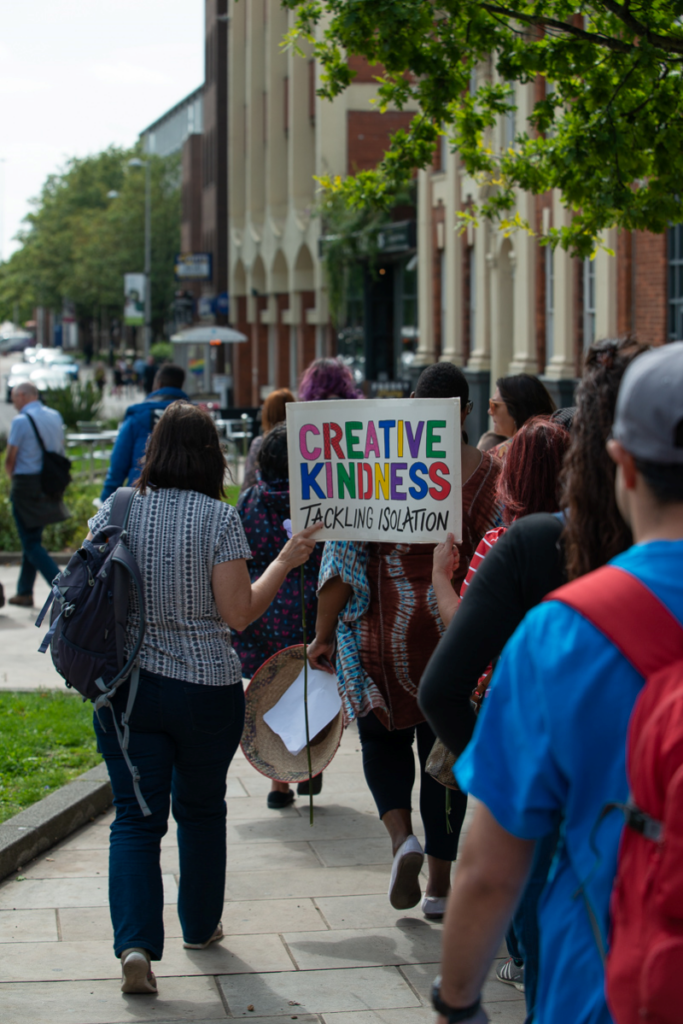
{"x": 272, "y": 458}
{"x": 594, "y": 531}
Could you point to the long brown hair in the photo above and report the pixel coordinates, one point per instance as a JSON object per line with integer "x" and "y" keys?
{"x": 184, "y": 451}
{"x": 273, "y": 410}
{"x": 594, "y": 531}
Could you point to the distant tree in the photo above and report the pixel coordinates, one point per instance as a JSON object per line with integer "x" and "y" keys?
{"x": 79, "y": 241}
{"x": 607, "y": 131}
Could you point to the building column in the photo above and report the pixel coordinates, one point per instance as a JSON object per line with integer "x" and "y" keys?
{"x": 478, "y": 370}
{"x": 426, "y": 351}
{"x": 452, "y": 348}
{"x": 524, "y": 359}
{"x": 606, "y": 288}
{"x": 560, "y": 371}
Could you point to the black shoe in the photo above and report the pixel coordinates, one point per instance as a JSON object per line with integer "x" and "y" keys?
{"x": 302, "y": 788}
{"x": 278, "y": 800}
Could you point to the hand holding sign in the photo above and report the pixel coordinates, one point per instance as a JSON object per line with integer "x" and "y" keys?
{"x": 380, "y": 470}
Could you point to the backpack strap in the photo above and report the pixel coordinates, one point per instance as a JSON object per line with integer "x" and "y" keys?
{"x": 33, "y": 424}
{"x": 627, "y": 612}
{"x": 120, "y": 508}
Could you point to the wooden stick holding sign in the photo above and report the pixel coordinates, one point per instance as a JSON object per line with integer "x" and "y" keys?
{"x": 377, "y": 469}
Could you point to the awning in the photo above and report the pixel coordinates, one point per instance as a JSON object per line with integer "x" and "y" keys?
{"x": 206, "y": 334}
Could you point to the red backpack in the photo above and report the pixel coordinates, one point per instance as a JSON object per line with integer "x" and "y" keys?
{"x": 644, "y": 965}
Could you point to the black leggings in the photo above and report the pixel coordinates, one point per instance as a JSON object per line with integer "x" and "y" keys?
{"x": 389, "y": 766}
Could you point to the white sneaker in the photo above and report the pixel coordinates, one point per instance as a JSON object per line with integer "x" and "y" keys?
{"x": 404, "y": 887}
{"x": 434, "y": 907}
{"x": 137, "y": 974}
{"x": 218, "y": 934}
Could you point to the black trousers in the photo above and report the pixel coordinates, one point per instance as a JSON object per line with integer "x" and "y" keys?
{"x": 389, "y": 766}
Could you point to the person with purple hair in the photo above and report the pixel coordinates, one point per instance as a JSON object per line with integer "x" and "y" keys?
{"x": 327, "y": 379}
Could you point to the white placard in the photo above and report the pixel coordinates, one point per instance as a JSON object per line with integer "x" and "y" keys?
{"x": 288, "y": 719}
{"x": 376, "y": 469}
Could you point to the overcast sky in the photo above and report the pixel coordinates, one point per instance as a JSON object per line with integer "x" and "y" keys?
{"x": 79, "y": 75}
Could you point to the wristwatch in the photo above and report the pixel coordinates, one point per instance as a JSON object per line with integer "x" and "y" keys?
{"x": 452, "y": 1015}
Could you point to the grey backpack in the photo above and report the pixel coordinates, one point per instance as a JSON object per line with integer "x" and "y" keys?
{"x": 89, "y": 601}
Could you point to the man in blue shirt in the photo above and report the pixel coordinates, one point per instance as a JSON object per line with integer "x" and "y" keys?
{"x": 32, "y": 510}
{"x": 138, "y": 425}
{"x": 550, "y": 744}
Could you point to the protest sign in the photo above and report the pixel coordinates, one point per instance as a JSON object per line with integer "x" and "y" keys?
{"x": 376, "y": 470}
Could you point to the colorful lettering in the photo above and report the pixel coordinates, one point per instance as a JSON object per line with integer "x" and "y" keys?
{"x": 364, "y": 480}
{"x": 420, "y": 490}
{"x": 432, "y": 439}
{"x": 328, "y": 474}
{"x": 414, "y": 441}
{"x": 443, "y": 488}
{"x": 353, "y": 427}
{"x": 371, "y": 441}
{"x": 332, "y": 435}
{"x": 400, "y": 439}
{"x": 308, "y": 480}
{"x": 382, "y": 479}
{"x": 387, "y": 426}
{"x": 397, "y": 481}
{"x": 308, "y": 428}
{"x": 345, "y": 480}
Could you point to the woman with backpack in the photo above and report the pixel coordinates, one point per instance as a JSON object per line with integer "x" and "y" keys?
{"x": 188, "y": 715}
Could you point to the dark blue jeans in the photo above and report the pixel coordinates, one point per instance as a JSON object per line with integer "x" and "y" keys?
{"x": 35, "y": 558}
{"x": 182, "y": 740}
{"x": 523, "y": 935}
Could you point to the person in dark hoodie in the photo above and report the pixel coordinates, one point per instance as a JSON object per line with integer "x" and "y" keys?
{"x": 139, "y": 422}
{"x": 264, "y": 509}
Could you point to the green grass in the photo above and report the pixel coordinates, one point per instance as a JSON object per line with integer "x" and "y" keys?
{"x": 46, "y": 739}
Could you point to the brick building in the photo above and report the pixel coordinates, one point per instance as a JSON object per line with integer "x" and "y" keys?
{"x": 280, "y": 136}
{"x": 497, "y": 305}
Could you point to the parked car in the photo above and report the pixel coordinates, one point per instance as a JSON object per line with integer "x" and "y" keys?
{"x": 44, "y": 377}
{"x": 15, "y": 343}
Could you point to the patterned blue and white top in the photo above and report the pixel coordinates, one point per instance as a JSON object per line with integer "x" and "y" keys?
{"x": 176, "y": 538}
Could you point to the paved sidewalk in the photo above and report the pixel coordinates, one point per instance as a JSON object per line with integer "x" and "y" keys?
{"x": 310, "y": 933}
{"x": 21, "y": 667}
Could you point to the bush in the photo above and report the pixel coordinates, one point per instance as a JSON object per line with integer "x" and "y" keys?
{"x": 58, "y": 536}
{"x": 162, "y": 352}
{"x": 77, "y": 402}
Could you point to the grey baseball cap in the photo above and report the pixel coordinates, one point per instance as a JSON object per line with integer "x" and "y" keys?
{"x": 649, "y": 416}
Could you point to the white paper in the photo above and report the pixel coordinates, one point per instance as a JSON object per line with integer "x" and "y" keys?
{"x": 288, "y": 718}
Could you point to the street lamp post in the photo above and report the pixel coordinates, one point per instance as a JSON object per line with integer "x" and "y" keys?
{"x": 136, "y": 162}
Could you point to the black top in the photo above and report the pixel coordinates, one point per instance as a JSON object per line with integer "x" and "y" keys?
{"x": 522, "y": 567}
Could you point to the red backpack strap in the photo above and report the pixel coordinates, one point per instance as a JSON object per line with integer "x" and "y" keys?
{"x": 629, "y": 615}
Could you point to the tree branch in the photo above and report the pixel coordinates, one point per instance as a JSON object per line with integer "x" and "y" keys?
{"x": 666, "y": 43}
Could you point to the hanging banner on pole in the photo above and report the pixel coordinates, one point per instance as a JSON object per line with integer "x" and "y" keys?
{"x": 134, "y": 299}
{"x": 376, "y": 469}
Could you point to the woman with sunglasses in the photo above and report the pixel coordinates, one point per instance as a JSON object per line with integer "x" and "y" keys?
{"x": 516, "y": 400}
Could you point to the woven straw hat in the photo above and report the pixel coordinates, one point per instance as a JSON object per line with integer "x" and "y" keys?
{"x": 262, "y": 747}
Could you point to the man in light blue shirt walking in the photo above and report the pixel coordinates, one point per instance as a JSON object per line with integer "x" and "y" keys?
{"x": 31, "y": 508}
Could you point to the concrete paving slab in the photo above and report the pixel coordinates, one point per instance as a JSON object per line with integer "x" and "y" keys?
{"x": 269, "y": 857}
{"x": 317, "y": 991}
{"x": 92, "y": 837}
{"x": 23, "y": 668}
{"x": 410, "y": 942}
{"x": 70, "y": 864}
{"x": 253, "y": 885}
{"x": 422, "y": 975}
{"x": 371, "y": 911}
{"x": 28, "y": 926}
{"x": 66, "y": 892}
{"x": 325, "y": 826}
{"x": 351, "y": 852}
{"x": 101, "y": 1002}
{"x": 422, "y": 1015}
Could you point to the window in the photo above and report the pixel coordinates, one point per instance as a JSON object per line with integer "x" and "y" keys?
{"x": 549, "y": 302}
{"x": 675, "y": 282}
{"x": 588, "y": 302}
{"x": 509, "y": 124}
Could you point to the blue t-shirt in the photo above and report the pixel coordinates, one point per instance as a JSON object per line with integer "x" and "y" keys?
{"x": 550, "y": 743}
{"x": 51, "y": 429}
